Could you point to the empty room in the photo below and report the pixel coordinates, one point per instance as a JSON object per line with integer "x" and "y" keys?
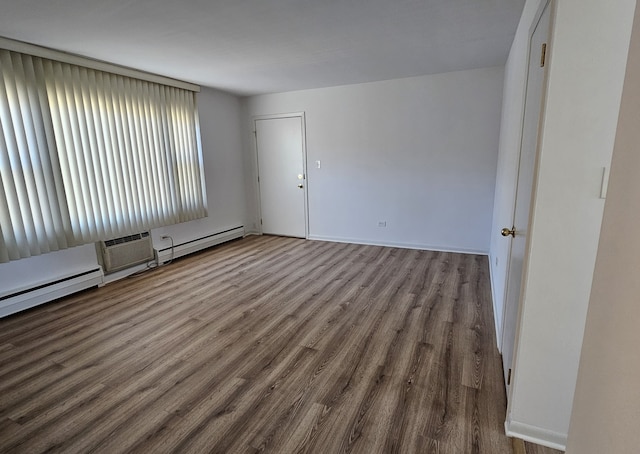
{"x": 295, "y": 226}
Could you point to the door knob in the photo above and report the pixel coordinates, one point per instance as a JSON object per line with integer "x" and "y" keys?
{"x": 300, "y": 186}
{"x": 507, "y": 232}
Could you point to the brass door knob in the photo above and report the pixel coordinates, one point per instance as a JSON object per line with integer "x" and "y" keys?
{"x": 300, "y": 186}
{"x": 507, "y": 232}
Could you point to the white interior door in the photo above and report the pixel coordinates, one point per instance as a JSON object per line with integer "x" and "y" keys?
{"x": 517, "y": 233}
{"x": 281, "y": 175}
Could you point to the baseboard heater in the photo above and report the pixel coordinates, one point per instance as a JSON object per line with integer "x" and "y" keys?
{"x": 20, "y": 300}
{"x": 189, "y": 247}
{"x": 33, "y": 296}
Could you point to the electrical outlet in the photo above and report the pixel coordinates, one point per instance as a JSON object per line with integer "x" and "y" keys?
{"x": 382, "y": 223}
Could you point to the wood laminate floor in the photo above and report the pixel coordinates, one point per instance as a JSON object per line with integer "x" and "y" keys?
{"x": 264, "y": 344}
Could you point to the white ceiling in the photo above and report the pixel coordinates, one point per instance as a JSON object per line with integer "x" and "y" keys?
{"x": 264, "y": 46}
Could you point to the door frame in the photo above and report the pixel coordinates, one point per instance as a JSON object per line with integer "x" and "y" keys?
{"x": 552, "y": 5}
{"x": 305, "y": 180}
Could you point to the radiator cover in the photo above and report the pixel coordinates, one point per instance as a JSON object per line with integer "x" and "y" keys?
{"x": 121, "y": 253}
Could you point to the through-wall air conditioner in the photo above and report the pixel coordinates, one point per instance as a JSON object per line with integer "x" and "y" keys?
{"x": 121, "y": 253}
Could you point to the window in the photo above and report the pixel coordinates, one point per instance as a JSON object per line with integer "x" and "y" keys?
{"x": 87, "y": 155}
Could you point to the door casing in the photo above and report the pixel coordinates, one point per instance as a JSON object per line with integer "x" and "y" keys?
{"x": 510, "y": 358}
{"x": 305, "y": 181}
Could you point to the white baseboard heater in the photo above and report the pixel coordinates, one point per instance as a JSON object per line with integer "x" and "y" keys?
{"x": 125, "y": 252}
{"x": 114, "y": 255}
{"x": 24, "y": 299}
{"x": 188, "y": 247}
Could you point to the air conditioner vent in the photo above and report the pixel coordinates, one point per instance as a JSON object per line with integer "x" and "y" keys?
{"x": 130, "y": 250}
{"x": 126, "y": 239}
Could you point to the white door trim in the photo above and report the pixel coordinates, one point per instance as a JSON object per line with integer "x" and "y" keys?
{"x": 303, "y": 124}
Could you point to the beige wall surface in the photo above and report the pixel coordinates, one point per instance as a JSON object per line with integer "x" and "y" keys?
{"x": 606, "y": 410}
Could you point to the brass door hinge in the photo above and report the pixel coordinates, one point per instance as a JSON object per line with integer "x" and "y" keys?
{"x": 543, "y": 55}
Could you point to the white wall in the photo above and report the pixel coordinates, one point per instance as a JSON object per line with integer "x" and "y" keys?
{"x": 588, "y": 53}
{"x": 606, "y": 408}
{"x": 224, "y": 175}
{"x": 419, "y": 153}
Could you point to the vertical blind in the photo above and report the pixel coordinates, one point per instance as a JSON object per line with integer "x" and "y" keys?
{"x": 87, "y": 155}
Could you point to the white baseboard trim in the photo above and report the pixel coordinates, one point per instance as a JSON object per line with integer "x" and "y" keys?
{"x": 425, "y": 247}
{"x": 47, "y": 292}
{"x": 189, "y": 247}
{"x": 536, "y": 435}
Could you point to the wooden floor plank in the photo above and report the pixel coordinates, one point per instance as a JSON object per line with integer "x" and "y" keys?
{"x": 264, "y": 344}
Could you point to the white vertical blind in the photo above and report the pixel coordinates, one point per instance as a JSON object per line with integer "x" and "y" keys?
{"x": 33, "y": 214}
{"x": 88, "y": 155}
